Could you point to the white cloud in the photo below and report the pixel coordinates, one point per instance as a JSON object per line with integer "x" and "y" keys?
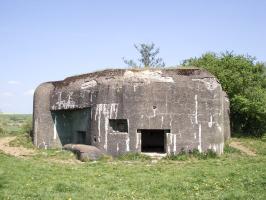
{"x": 12, "y": 82}
{"x": 29, "y": 92}
{"x": 7, "y": 94}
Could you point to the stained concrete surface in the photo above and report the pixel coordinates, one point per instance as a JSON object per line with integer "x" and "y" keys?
{"x": 190, "y": 103}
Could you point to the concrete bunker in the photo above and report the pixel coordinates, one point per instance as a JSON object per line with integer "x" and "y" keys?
{"x": 133, "y": 110}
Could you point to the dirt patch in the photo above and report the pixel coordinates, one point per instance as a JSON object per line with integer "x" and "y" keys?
{"x": 22, "y": 152}
{"x": 239, "y": 146}
{"x": 14, "y": 151}
{"x": 155, "y": 156}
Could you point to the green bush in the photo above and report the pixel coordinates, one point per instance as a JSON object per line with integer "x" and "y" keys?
{"x": 1, "y": 130}
{"x": 27, "y": 127}
{"x": 263, "y": 137}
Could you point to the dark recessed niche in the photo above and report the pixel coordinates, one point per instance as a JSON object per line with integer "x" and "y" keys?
{"x": 80, "y": 137}
{"x": 153, "y": 140}
{"x": 119, "y": 125}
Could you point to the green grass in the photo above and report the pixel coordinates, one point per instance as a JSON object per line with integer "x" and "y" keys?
{"x": 231, "y": 176}
{"x": 51, "y": 174}
{"x": 55, "y": 154}
{"x": 133, "y": 157}
{"x": 256, "y": 144}
{"x": 14, "y": 124}
{"x": 229, "y": 150}
{"x": 23, "y": 140}
{"x": 195, "y": 154}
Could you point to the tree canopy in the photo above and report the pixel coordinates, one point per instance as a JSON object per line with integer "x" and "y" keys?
{"x": 148, "y": 56}
{"x": 244, "y": 80}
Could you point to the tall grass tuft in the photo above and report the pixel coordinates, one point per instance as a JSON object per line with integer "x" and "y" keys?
{"x": 186, "y": 155}
{"x": 133, "y": 156}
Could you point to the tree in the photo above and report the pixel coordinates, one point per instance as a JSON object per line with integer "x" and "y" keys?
{"x": 148, "y": 56}
{"x": 244, "y": 81}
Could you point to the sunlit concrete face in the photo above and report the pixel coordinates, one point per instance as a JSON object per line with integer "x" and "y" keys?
{"x": 113, "y": 109}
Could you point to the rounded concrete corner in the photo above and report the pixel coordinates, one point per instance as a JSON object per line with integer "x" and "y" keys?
{"x": 43, "y": 88}
{"x": 42, "y": 119}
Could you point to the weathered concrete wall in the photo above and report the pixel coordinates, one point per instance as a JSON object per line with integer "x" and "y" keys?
{"x": 43, "y": 126}
{"x": 189, "y": 102}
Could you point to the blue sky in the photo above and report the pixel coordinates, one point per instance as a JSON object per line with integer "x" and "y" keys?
{"x": 50, "y": 40}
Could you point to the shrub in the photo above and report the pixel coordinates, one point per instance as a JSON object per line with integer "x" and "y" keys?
{"x": 228, "y": 149}
{"x": 185, "y": 155}
{"x": 1, "y": 130}
{"x": 27, "y": 127}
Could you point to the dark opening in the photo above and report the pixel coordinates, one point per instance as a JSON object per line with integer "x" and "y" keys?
{"x": 80, "y": 137}
{"x": 153, "y": 140}
{"x": 73, "y": 126}
{"x": 119, "y": 125}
